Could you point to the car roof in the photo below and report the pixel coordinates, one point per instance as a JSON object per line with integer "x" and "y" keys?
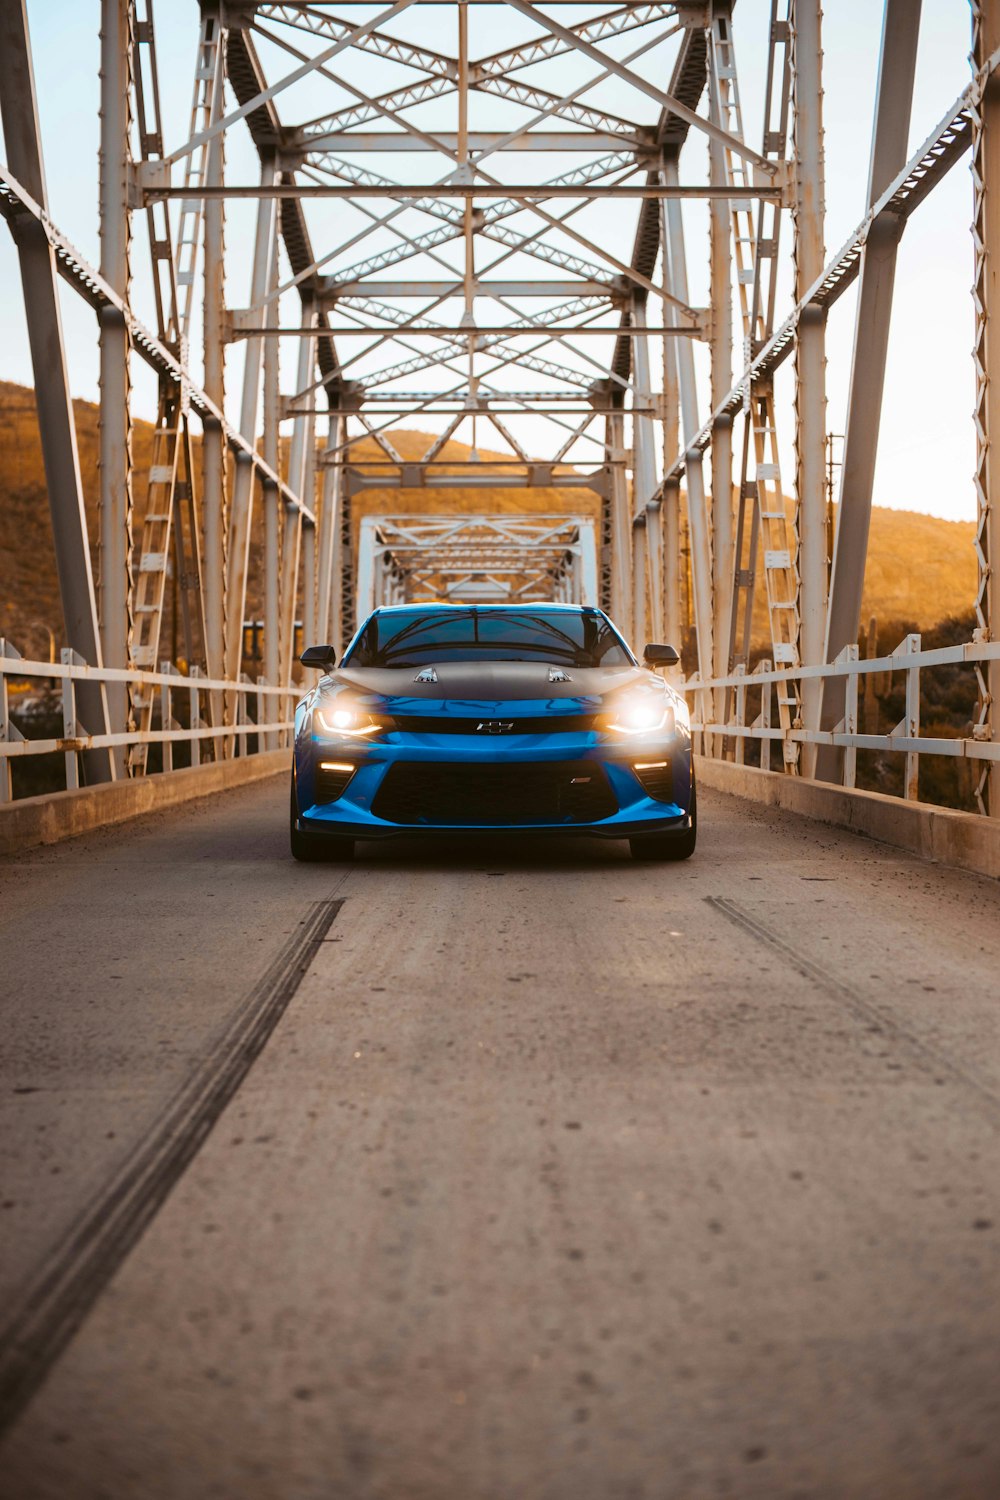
{"x": 446, "y": 604}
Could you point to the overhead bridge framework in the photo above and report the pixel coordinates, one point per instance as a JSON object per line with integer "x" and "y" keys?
{"x": 485, "y": 243}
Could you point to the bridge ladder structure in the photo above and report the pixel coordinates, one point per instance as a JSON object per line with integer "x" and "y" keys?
{"x": 755, "y": 234}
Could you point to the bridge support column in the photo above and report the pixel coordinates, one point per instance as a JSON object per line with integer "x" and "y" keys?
{"x": 721, "y": 348}
{"x": 810, "y": 355}
{"x": 897, "y": 64}
{"x": 639, "y": 621}
{"x": 213, "y": 451}
{"x": 271, "y": 498}
{"x": 644, "y": 483}
{"x": 670, "y": 502}
{"x": 301, "y": 469}
{"x": 986, "y": 237}
{"x": 241, "y": 510}
{"x": 23, "y": 146}
{"x": 701, "y": 546}
{"x": 328, "y": 521}
{"x": 621, "y": 525}
{"x": 115, "y": 450}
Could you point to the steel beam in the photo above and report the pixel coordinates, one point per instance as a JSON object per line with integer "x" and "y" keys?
{"x": 701, "y": 546}
{"x": 270, "y": 496}
{"x": 721, "y": 347}
{"x": 331, "y": 290}
{"x": 531, "y": 193}
{"x": 115, "y": 448}
{"x": 621, "y": 522}
{"x": 213, "y": 451}
{"x": 241, "y": 508}
{"x": 897, "y": 65}
{"x": 549, "y": 141}
{"x": 327, "y": 539}
{"x": 19, "y": 112}
{"x": 810, "y": 355}
{"x": 986, "y": 239}
{"x": 640, "y": 571}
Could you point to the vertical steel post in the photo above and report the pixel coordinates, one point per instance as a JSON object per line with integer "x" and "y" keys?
{"x": 345, "y": 603}
{"x": 213, "y": 446}
{"x": 300, "y": 468}
{"x": 670, "y": 503}
{"x": 643, "y": 436}
{"x": 308, "y": 494}
{"x": 309, "y": 636}
{"x": 897, "y": 65}
{"x": 22, "y": 139}
{"x": 721, "y": 348}
{"x": 701, "y": 547}
{"x": 241, "y": 510}
{"x": 271, "y": 500}
{"x": 810, "y": 354}
{"x": 986, "y": 239}
{"x": 639, "y": 572}
{"x": 644, "y": 469}
{"x": 115, "y": 450}
{"x": 326, "y": 541}
{"x": 621, "y": 550}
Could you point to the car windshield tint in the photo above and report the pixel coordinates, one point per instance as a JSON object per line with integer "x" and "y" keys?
{"x": 561, "y": 637}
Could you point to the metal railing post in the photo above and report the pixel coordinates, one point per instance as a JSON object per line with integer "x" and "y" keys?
{"x": 850, "y": 655}
{"x": 765, "y": 715}
{"x": 71, "y": 729}
{"x": 194, "y": 713}
{"x": 909, "y": 727}
{"x": 166, "y": 718}
{"x": 741, "y": 714}
{"x": 9, "y": 732}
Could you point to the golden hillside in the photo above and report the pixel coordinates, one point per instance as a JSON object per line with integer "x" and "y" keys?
{"x": 921, "y": 569}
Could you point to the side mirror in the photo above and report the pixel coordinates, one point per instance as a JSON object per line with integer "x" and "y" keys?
{"x": 660, "y": 656}
{"x": 323, "y": 658}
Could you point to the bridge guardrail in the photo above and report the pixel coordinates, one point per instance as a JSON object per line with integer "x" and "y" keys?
{"x": 706, "y": 697}
{"x": 218, "y": 711}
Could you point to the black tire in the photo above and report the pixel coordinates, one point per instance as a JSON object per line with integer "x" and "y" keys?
{"x": 669, "y": 846}
{"x": 314, "y": 848}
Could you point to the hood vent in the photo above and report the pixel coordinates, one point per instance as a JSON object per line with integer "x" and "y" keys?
{"x": 426, "y": 674}
{"x": 556, "y": 674}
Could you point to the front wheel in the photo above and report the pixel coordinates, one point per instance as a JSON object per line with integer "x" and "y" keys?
{"x": 669, "y": 846}
{"x": 315, "y": 848}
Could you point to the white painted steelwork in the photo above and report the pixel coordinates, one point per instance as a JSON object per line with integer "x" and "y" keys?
{"x": 476, "y": 282}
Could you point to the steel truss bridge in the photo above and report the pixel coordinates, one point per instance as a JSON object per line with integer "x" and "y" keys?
{"x": 514, "y": 270}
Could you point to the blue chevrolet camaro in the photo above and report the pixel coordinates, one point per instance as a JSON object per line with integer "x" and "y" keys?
{"x": 447, "y": 718}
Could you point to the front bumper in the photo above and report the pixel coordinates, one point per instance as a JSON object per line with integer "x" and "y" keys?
{"x": 352, "y": 815}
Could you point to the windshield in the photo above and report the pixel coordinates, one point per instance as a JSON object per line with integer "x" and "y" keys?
{"x": 561, "y": 637}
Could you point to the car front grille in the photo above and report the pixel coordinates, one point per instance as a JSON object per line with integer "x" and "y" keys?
{"x": 331, "y": 784}
{"x": 657, "y": 782}
{"x": 453, "y": 724}
{"x": 569, "y": 792}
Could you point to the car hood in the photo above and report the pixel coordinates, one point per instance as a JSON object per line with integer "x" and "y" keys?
{"x": 480, "y": 686}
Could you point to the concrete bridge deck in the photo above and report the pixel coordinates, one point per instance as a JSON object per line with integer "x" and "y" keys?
{"x": 513, "y": 1169}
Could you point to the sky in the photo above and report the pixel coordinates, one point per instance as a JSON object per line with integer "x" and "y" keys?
{"x": 927, "y": 452}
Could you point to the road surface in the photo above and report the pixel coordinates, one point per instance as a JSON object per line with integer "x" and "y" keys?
{"x": 509, "y": 1170}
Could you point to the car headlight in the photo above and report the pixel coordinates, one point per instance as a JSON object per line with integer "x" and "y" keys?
{"x": 349, "y": 722}
{"x": 643, "y": 716}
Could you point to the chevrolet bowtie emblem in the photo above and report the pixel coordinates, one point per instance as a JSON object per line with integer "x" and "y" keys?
{"x": 494, "y": 726}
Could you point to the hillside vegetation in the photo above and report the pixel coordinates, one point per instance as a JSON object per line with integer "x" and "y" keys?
{"x": 921, "y": 569}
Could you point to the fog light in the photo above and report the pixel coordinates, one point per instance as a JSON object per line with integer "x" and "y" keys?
{"x": 335, "y": 765}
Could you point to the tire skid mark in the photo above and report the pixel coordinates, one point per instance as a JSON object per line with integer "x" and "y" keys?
{"x": 854, "y": 1000}
{"x": 57, "y": 1300}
